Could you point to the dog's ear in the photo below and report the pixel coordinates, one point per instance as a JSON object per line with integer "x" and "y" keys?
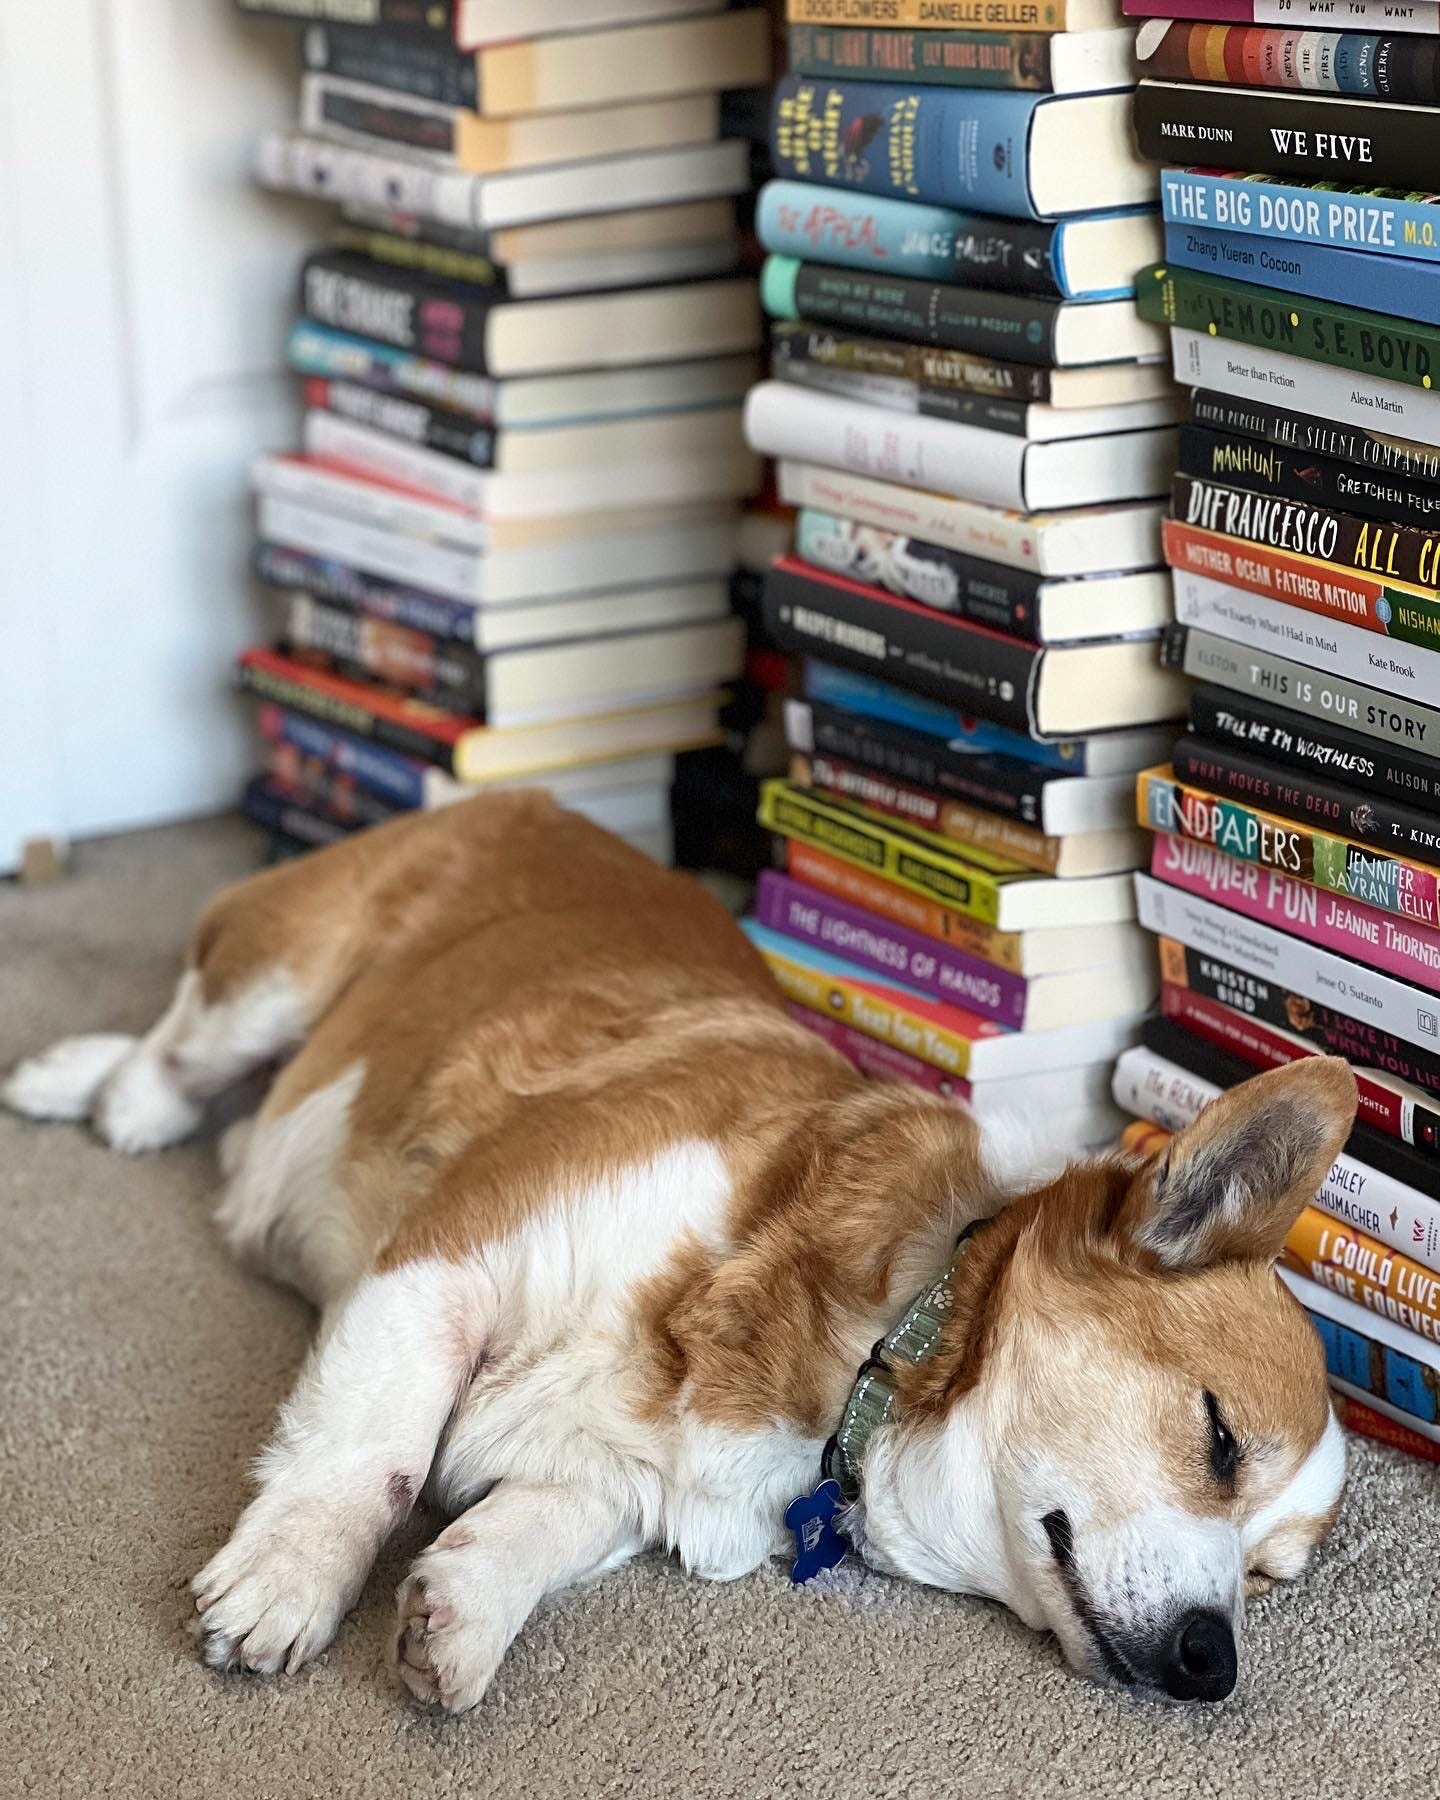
{"x": 1231, "y": 1184}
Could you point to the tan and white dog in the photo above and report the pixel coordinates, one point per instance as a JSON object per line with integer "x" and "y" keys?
{"x": 599, "y": 1237}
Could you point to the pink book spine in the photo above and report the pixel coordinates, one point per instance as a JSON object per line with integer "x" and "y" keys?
{"x": 1376, "y": 939}
{"x": 1222, "y": 12}
{"x": 883, "y": 1061}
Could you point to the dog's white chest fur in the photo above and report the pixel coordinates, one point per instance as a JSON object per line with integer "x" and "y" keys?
{"x": 555, "y": 1396}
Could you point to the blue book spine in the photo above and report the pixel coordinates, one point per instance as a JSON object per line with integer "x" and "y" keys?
{"x": 384, "y": 772}
{"x": 1354, "y": 64}
{"x": 1409, "y": 289}
{"x": 1404, "y": 1382}
{"x": 375, "y": 595}
{"x": 321, "y": 350}
{"x": 960, "y": 147}
{"x": 878, "y": 700}
{"x": 1382, "y": 221}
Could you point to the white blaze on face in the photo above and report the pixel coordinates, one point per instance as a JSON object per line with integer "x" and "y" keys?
{"x": 1279, "y": 1537}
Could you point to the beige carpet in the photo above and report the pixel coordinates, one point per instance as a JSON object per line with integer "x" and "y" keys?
{"x": 138, "y": 1370}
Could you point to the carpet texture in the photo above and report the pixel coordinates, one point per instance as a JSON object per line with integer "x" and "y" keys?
{"x": 140, "y": 1370}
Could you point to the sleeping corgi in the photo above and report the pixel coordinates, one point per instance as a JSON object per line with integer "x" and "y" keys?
{"x": 599, "y": 1238}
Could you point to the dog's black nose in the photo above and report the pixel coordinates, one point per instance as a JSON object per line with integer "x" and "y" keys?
{"x": 1199, "y": 1662}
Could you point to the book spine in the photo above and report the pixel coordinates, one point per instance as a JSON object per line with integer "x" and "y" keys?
{"x": 432, "y": 668}
{"x": 931, "y": 15}
{"x": 429, "y": 70}
{"x": 1316, "y": 331}
{"x": 327, "y": 171}
{"x": 378, "y": 456}
{"x": 268, "y": 805}
{"x": 864, "y": 938}
{"x": 797, "y": 220}
{"x": 1313, "y": 138}
{"x": 379, "y": 549}
{"x": 327, "y": 579}
{"x": 1412, "y": 289}
{"x": 860, "y": 628}
{"x": 1366, "y": 1271}
{"x": 316, "y": 350}
{"x": 1359, "y": 14}
{"x": 372, "y": 300}
{"x": 1349, "y": 599}
{"x": 410, "y": 420}
{"x": 1375, "y": 65}
{"x": 380, "y": 118}
{"x": 1338, "y": 649}
{"x": 881, "y": 1061}
{"x": 983, "y": 593}
{"x": 974, "y": 320}
{"x": 1008, "y": 416}
{"x": 1369, "y": 1421}
{"x": 985, "y": 531}
{"x": 1157, "y": 1087}
{"x": 384, "y": 773}
{"x": 422, "y": 18}
{"x": 971, "y": 830}
{"x": 1245, "y": 462}
{"x": 1410, "y": 1386}
{"x": 1382, "y": 1108}
{"x": 870, "y": 845}
{"x": 1399, "y": 829}
{"x": 1336, "y": 865}
{"x": 846, "y": 881}
{"x": 1208, "y": 976}
{"x": 1200, "y": 360}
{"x": 426, "y": 256}
{"x": 859, "y": 1005}
{"x": 1017, "y": 59}
{"x": 1320, "y": 749}
{"x": 950, "y": 147}
{"x": 932, "y": 371}
{"x": 1306, "y": 436}
{"x": 337, "y": 797}
{"x": 320, "y": 700}
{"x": 1381, "y": 221}
{"x": 1313, "y": 692}
{"x": 1006, "y": 786}
{"x": 1399, "y": 947}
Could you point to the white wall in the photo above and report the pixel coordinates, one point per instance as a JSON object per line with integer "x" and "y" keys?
{"x": 145, "y": 289}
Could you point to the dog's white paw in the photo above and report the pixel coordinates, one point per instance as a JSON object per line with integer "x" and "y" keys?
{"x": 272, "y": 1599}
{"x": 64, "y": 1081}
{"x": 449, "y": 1641}
{"x": 141, "y": 1108}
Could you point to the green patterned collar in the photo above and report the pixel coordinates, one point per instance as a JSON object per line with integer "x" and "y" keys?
{"x": 873, "y": 1394}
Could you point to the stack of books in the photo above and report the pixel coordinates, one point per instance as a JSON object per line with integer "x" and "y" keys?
{"x": 503, "y": 551}
{"x": 977, "y": 428}
{"x": 1295, "y": 874}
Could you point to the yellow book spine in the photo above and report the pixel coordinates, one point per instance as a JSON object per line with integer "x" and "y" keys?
{"x": 931, "y": 15}
{"x": 840, "y": 999}
{"x": 1362, "y": 1270}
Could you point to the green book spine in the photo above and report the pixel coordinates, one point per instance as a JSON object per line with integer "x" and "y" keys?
{"x": 999, "y": 59}
{"x": 1317, "y": 330}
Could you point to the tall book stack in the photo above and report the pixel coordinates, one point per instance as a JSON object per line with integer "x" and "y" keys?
{"x": 1295, "y": 874}
{"x": 977, "y": 428}
{"x": 502, "y": 553}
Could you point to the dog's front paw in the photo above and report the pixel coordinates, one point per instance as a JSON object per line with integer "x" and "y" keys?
{"x": 64, "y": 1081}
{"x": 448, "y": 1643}
{"x": 272, "y": 1599}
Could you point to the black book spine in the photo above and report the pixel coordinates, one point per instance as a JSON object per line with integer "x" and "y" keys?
{"x": 1345, "y": 812}
{"x": 1308, "y": 436}
{"x": 1394, "y": 552}
{"x": 1013, "y": 326}
{"x": 942, "y": 370}
{"x": 273, "y": 809}
{"x": 430, "y": 318}
{"x": 1199, "y": 1057}
{"x": 1317, "y": 748}
{"x": 414, "y": 421}
{"x": 332, "y": 711}
{"x": 1010, "y": 416}
{"x": 1005, "y": 785}
{"x": 435, "y": 669}
{"x": 430, "y": 69}
{"x": 965, "y": 666}
{"x": 1336, "y": 1033}
{"x": 1244, "y": 462}
{"x": 1269, "y": 132}
{"x": 430, "y": 20}
{"x": 324, "y": 790}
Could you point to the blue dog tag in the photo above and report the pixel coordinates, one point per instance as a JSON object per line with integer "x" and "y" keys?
{"x": 818, "y": 1545}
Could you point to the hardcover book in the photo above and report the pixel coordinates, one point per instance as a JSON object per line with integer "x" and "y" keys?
{"x": 1065, "y": 62}
{"x": 1369, "y": 447}
{"x": 1362, "y": 63}
{"x": 948, "y": 15}
{"x": 1244, "y": 461}
{"x": 1382, "y": 221}
{"x": 1383, "y": 15}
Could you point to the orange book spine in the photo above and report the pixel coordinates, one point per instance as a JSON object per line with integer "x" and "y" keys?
{"x": 1365, "y": 1271}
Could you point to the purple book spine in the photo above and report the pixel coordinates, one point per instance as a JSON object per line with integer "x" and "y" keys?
{"x": 1222, "y": 12}
{"x": 863, "y": 937}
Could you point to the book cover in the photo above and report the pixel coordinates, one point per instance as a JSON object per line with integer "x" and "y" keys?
{"x": 1412, "y": 288}
{"x": 1241, "y": 460}
{"x": 800, "y": 221}
{"x": 1387, "y": 1105}
{"x": 1315, "y": 137}
{"x": 1396, "y": 946}
{"x": 1338, "y": 865}
{"x": 1408, "y": 777}
{"x": 874, "y": 943}
{"x": 1216, "y": 929}
{"x": 1365, "y": 64}
{"x": 1381, "y": 221}
{"x": 1371, "y": 449}
{"x": 1317, "y": 330}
